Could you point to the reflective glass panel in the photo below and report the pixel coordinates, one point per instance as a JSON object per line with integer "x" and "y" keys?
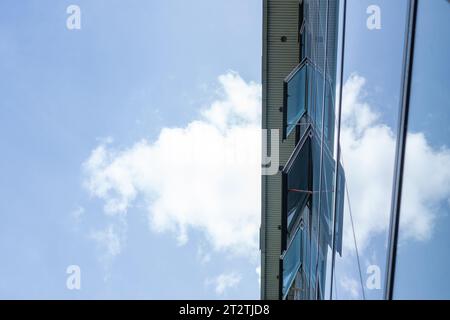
{"x": 292, "y": 261}
{"x": 371, "y": 89}
{"x": 298, "y": 182}
{"x": 295, "y": 97}
{"x": 423, "y": 258}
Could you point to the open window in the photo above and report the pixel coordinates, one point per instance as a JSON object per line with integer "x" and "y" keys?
{"x": 292, "y": 261}
{"x": 295, "y": 97}
{"x": 296, "y": 183}
{"x": 327, "y": 200}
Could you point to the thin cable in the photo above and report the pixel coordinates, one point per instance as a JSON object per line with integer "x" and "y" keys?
{"x": 354, "y": 236}
{"x": 309, "y": 191}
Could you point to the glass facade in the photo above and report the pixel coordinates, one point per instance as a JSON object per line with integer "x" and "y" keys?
{"x": 366, "y": 191}
{"x": 308, "y": 177}
{"x": 295, "y": 96}
{"x": 423, "y": 255}
{"x": 297, "y": 180}
{"x": 368, "y": 127}
{"x": 292, "y": 260}
{"x": 395, "y": 151}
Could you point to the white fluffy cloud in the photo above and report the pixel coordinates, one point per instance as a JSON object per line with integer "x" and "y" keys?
{"x": 350, "y": 287}
{"x": 204, "y": 176}
{"x": 110, "y": 239}
{"x": 368, "y": 149}
{"x": 258, "y": 272}
{"x": 224, "y": 282}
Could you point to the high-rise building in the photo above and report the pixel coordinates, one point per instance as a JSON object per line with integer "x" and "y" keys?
{"x": 299, "y": 219}
{"x": 394, "y": 244}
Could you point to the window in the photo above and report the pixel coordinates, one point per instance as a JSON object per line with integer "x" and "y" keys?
{"x": 295, "y": 97}
{"x": 296, "y": 184}
{"x": 292, "y": 260}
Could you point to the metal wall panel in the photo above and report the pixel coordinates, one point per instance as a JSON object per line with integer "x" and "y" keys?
{"x": 280, "y": 19}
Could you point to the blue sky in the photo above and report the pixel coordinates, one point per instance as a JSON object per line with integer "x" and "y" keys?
{"x": 133, "y": 68}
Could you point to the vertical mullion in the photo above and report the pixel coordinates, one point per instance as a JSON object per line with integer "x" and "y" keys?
{"x": 322, "y": 135}
{"x": 408, "y": 57}
{"x": 338, "y": 137}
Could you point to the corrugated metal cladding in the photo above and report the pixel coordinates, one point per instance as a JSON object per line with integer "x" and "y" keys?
{"x": 280, "y": 56}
